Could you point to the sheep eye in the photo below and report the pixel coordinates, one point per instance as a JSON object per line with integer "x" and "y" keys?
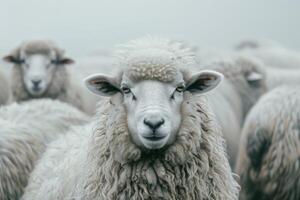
{"x": 126, "y": 90}
{"x": 180, "y": 88}
{"x": 21, "y": 61}
{"x": 54, "y": 62}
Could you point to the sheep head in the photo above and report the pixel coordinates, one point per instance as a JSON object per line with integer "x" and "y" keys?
{"x": 248, "y": 77}
{"x": 152, "y": 87}
{"x": 38, "y": 61}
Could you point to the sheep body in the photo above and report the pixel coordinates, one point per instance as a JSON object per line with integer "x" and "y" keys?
{"x": 25, "y": 130}
{"x": 72, "y": 165}
{"x": 268, "y": 161}
{"x": 280, "y": 76}
{"x": 235, "y": 96}
{"x": 4, "y": 89}
{"x": 108, "y": 165}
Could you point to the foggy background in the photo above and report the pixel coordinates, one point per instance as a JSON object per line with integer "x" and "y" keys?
{"x": 82, "y": 26}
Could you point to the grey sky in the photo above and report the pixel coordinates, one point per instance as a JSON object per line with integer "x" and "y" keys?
{"x": 81, "y": 26}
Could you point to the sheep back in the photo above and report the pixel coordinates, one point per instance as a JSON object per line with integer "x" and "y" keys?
{"x": 268, "y": 162}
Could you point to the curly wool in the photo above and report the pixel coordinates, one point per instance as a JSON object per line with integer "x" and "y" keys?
{"x": 108, "y": 165}
{"x": 270, "y": 149}
{"x": 194, "y": 167}
{"x": 25, "y": 130}
{"x": 154, "y": 58}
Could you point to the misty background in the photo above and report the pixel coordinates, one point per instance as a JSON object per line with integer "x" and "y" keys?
{"x": 82, "y": 26}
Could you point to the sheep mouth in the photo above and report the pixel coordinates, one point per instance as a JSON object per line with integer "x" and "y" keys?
{"x": 36, "y": 89}
{"x": 154, "y": 137}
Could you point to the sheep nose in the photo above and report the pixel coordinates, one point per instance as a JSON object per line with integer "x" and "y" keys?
{"x": 36, "y": 82}
{"x": 154, "y": 124}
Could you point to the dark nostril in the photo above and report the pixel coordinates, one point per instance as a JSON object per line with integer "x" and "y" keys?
{"x": 36, "y": 82}
{"x": 154, "y": 124}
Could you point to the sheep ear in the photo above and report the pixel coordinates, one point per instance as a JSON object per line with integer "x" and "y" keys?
{"x": 66, "y": 61}
{"x": 102, "y": 85}
{"x": 254, "y": 78}
{"x": 10, "y": 59}
{"x": 203, "y": 81}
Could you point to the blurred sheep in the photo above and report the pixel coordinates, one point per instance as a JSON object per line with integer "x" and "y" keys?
{"x": 4, "y": 89}
{"x": 25, "y": 131}
{"x": 269, "y": 157}
{"x": 244, "y": 82}
{"x": 40, "y": 70}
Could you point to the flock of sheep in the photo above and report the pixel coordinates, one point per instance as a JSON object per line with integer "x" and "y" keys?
{"x": 155, "y": 119}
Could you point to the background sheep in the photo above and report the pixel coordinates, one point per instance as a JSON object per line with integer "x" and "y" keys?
{"x": 25, "y": 130}
{"x": 146, "y": 144}
{"x": 40, "y": 71}
{"x": 252, "y": 44}
{"x": 268, "y": 161}
{"x": 272, "y": 54}
{"x": 4, "y": 89}
{"x": 243, "y": 84}
{"x": 280, "y": 76}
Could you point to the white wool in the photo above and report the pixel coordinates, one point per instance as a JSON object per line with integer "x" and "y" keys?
{"x": 233, "y": 98}
{"x": 276, "y": 56}
{"x": 25, "y": 131}
{"x": 4, "y": 89}
{"x": 167, "y": 49}
{"x": 282, "y": 76}
{"x": 268, "y": 160}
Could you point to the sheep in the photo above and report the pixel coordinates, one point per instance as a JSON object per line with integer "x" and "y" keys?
{"x": 278, "y": 76}
{"x": 272, "y": 55}
{"x": 4, "y": 89}
{"x": 244, "y": 83}
{"x": 251, "y": 44}
{"x": 145, "y": 143}
{"x": 40, "y": 71}
{"x": 25, "y": 130}
{"x": 282, "y": 66}
{"x": 269, "y": 156}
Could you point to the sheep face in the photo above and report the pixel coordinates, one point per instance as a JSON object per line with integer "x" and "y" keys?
{"x": 38, "y": 62}
{"x": 37, "y": 71}
{"x": 153, "y": 111}
{"x": 153, "y": 106}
